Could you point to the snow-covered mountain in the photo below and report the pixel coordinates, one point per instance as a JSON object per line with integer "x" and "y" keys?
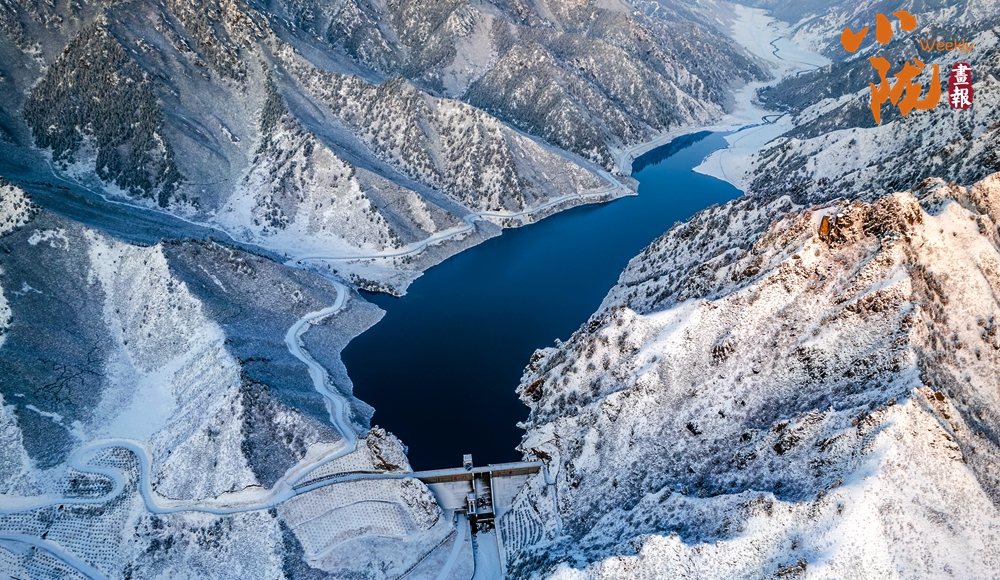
{"x": 139, "y": 382}
{"x": 835, "y": 148}
{"x": 800, "y": 383}
{"x": 773, "y": 390}
{"x": 586, "y": 76}
{"x": 350, "y": 129}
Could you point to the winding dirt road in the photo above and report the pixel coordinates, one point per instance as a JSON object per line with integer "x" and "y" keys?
{"x": 282, "y": 491}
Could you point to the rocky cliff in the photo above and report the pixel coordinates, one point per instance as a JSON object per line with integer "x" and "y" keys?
{"x": 774, "y": 390}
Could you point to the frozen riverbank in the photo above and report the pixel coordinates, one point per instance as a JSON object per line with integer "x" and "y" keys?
{"x": 771, "y": 40}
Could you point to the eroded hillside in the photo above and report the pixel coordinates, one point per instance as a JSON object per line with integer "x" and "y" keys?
{"x": 778, "y": 390}
{"x": 154, "y": 416}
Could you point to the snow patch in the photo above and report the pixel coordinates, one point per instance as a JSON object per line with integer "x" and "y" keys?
{"x": 56, "y": 238}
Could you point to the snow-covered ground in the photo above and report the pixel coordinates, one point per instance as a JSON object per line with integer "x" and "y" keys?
{"x": 15, "y": 207}
{"x": 168, "y": 451}
{"x": 762, "y": 397}
{"x": 487, "y": 557}
{"x": 771, "y": 40}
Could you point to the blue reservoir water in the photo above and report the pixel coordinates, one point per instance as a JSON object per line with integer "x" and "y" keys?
{"x": 442, "y": 365}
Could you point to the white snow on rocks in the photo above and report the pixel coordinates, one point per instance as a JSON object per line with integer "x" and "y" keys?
{"x": 171, "y": 379}
{"x": 301, "y": 196}
{"x": 763, "y": 395}
{"x": 444, "y": 144}
{"x": 15, "y": 207}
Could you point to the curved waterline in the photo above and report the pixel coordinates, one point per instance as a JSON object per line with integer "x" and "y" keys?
{"x": 470, "y": 224}
{"x": 441, "y": 367}
{"x": 338, "y": 406}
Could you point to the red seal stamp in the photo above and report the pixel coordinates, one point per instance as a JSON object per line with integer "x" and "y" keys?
{"x": 960, "y": 86}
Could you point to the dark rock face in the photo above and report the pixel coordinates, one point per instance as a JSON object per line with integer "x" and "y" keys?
{"x": 53, "y": 352}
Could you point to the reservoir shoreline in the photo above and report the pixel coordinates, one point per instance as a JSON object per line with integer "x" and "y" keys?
{"x": 441, "y": 367}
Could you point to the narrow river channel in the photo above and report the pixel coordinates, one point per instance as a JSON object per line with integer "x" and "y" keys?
{"x": 441, "y": 367}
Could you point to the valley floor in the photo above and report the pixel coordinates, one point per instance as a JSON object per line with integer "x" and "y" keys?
{"x": 753, "y": 126}
{"x": 319, "y": 531}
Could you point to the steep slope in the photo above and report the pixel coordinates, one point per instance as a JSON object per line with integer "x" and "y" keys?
{"x": 300, "y": 195}
{"x": 96, "y": 102}
{"x": 779, "y": 391}
{"x": 587, "y": 76}
{"x": 103, "y": 329}
{"x": 154, "y": 416}
{"x": 186, "y": 107}
{"x": 835, "y": 148}
{"x": 444, "y": 144}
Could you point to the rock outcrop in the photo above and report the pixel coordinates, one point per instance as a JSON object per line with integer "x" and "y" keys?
{"x": 759, "y": 398}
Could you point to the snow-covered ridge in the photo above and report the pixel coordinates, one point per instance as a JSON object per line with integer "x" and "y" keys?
{"x": 829, "y": 146}
{"x": 443, "y": 143}
{"x": 585, "y": 76}
{"x": 298, "y": 194}
{"x": 163, "y": 437}
{"x": 762, "y": 394}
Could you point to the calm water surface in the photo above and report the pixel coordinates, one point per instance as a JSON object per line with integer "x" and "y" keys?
{"x": 441, "y": 367}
